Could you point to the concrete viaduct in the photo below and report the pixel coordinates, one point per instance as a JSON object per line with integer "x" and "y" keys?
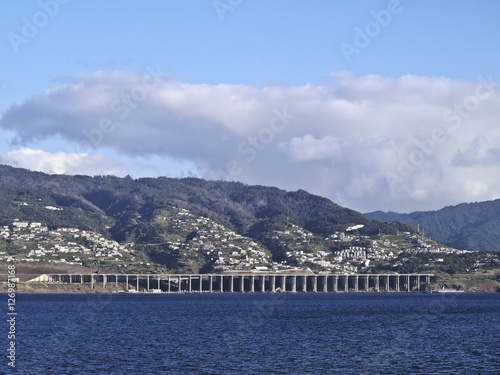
{"x": 248, "y": 282}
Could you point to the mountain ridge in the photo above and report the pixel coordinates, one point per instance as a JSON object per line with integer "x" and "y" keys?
{"x": 191, "y": 225}
{"x": 469, "y": 226}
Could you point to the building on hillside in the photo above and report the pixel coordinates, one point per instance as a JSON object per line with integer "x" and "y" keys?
{"x": 20, "y": 224}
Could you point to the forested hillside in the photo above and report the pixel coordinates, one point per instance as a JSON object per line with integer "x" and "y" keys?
{"x": 192, "y": 225}
{"x": 468, "y": 226}
{"x": 118, "y": 206}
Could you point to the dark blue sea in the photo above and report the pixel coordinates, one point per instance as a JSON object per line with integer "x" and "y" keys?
{"x": 256, "y": 334}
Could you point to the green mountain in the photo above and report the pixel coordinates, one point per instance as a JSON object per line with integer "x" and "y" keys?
{"x": 192, "y": 225}
{"x": 468, "y": 226}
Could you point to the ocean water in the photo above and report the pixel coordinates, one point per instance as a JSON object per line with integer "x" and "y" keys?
{"x": 257, "y": 334}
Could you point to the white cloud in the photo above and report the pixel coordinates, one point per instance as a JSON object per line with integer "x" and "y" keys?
{"x": 64, "y": 163}
{"x": 366, "y": 142}
{"x": 310, "y": 148}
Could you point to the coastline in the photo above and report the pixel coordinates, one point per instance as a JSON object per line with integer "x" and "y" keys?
{"x": 474, "y": 286}
{"x": 484, "y": 282}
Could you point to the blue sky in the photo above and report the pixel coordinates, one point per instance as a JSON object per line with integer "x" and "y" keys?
{"x": 356, "y": 119}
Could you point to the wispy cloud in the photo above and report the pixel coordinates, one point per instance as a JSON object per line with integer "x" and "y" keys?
{"x": 347, "y": 140}
{"x": 64, "y": 163}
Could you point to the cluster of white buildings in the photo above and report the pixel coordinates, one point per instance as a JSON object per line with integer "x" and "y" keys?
{"x": 353, "y": 252}
{"x": 304, "y": 250}
{"x": 189, "y": 235}
{"x": 352, "y": 257}
{"x": 225, "y": 248}
{"x": 64, "y": 245}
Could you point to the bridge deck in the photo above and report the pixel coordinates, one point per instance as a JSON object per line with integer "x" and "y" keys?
{"x": 249, "y": 282}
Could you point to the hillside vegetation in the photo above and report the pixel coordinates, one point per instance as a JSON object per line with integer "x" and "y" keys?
{"x": 468, "y": 226}
{"x": 192, "y": 225}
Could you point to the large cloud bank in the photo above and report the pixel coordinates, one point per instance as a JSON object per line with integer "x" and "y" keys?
{"x": 366, "y": 142}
